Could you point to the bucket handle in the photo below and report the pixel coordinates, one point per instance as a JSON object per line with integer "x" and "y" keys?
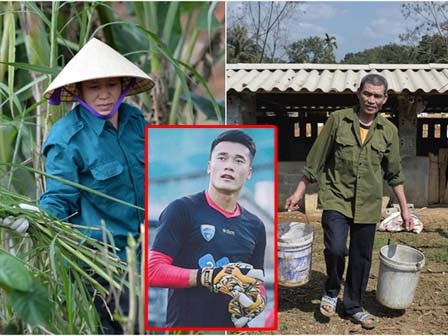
{"x": 420, "y": 265}
{"x": 405, "y": 244}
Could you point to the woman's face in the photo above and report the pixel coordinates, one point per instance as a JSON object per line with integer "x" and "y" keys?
{"x": 101, "y": 94}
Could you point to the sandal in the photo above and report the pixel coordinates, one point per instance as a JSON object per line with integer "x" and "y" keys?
{"x": 328, "y": 301}
{"x": 366, "y": 320}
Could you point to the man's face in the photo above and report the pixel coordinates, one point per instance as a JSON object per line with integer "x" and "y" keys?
{"x": 101, "y": 94}
{"x": 371, "y": 98}
{"x": 229, "y": 166}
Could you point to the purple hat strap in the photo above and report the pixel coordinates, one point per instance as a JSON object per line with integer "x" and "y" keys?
{"x": 55, "y": 99}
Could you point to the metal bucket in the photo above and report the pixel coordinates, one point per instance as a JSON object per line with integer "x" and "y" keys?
{"x": 399, "y": 274}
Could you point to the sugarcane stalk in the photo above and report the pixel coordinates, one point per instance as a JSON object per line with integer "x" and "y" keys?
{"x": 67, "y": 232}
{"x": 89, "y": 262}
{"x": 141, "y": 325}
{"x": 11, "y": 56}
{"x": 86, "y": 276}
{"x": 130, "y": 254}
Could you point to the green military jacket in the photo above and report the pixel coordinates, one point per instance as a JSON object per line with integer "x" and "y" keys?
{"x": 351, "y": 171}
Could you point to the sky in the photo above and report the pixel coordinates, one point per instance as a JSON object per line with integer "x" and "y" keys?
{"x": 357, "y": 25}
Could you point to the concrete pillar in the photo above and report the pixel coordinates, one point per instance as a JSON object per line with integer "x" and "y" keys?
{"x": 415, "y": 168}
{"x": 408, "y": 108}
{"x": 241, "y": 109}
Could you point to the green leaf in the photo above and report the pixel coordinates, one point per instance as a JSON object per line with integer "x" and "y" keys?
{"x": 206, "y": 106}
{"x": 189, "y": 6}
{"x": 13, "y": 274}
{"x": 205, "y": 86}
{"x": 33, "y": 307}
{"x": 205, "y": 21}
{"x": 4, "y": 91}
{"x": 12, "y": 328}
{"x": 33, "y": 67}
{"x": 172, "y": 29}
{"x": 120, "y": 35}
{"x": 35, "y": 38}
{"x": 7, "y": 135}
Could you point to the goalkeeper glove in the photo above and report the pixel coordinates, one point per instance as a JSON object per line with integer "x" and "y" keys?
{"x": 229, "y": 279}
{"x": 246, "y": 307}
{"x": 249, "y": 303}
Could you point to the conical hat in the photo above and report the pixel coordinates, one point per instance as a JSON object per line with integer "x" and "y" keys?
{"x": 97, "y": 60}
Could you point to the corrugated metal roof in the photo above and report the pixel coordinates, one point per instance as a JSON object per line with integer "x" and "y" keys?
{"x": 334, "y": 77}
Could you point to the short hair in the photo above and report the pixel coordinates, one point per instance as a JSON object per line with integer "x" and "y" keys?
{"x": 238, "y": 137}
{"x": 374, "y": 79}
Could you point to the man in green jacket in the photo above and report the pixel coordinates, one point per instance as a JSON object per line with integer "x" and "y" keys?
{"x": 353, "y": 149}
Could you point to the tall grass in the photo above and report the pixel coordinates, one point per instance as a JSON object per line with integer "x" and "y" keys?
{"x": 37, "y": 40}
{"x": 53, "y": 253}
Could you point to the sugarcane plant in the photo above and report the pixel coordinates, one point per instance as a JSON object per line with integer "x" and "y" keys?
{"x": 56, "y": 255}
{"x": 44, "y": 283}
{"x": 60, "y": 254}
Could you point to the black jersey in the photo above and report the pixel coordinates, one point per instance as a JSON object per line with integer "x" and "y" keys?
{"x": 196, "y": 235}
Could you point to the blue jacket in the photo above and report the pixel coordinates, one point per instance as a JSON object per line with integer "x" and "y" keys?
{"x": 90, "y": 151}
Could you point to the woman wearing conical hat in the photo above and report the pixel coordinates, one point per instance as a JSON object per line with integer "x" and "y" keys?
{"x": 98, "y": 144}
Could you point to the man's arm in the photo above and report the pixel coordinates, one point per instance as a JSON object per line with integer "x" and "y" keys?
{"x": 408, "y": 221}
{"x": 293, "y": 200}
{"x": 167, "y": 243}
{"x": 161, "y": 273}
{"x": 315, "y": 161}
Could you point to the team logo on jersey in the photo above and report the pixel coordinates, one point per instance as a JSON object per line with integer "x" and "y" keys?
{"x": 207, "y": 231}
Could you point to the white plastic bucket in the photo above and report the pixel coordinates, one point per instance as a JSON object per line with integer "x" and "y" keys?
{"x": 295, "y": 243}
{"x": 399, "y": 274}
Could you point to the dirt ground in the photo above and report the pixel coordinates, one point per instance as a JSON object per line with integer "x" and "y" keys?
{"x": 298, "y": 308}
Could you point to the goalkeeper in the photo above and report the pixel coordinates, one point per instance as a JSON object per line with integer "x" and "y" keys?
{"x": 209, "y": 250}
